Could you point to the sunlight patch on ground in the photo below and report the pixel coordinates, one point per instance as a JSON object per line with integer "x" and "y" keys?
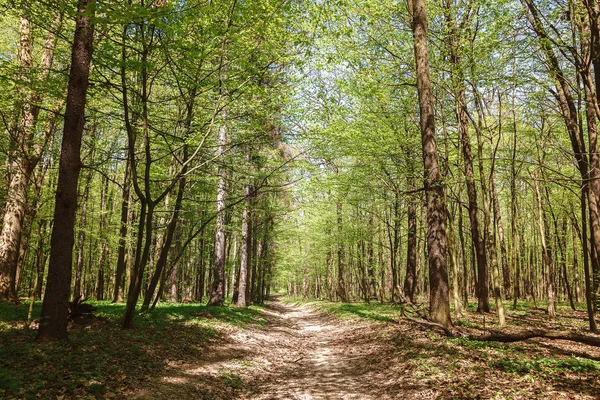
{"x": 314, "y": 328}
{"x": 176, "y": 380}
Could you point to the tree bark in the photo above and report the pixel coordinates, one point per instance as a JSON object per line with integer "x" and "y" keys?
{"x": 53, "y": 322}
{"x": 217, "y": 295}
{"x": 243, "y": 275}
{"x": 341, "y": 283}
{"x": 410, "y": 281}
{"x": 436, "y": 209}
{"x": 124, "y": 224}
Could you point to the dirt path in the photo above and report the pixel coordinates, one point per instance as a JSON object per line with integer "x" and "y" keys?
{"x": 313, "y": 360}
{"x": 304, "y": 354}
{"x": 300, "y": 353}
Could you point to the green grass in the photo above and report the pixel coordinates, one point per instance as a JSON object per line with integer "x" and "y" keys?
{"x": 102, "y": 357}
{"x": 163, "y": 315}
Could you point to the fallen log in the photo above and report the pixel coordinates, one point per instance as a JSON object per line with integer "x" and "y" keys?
{"x": 502, "y": 337}
{"x": 538, "y": 333}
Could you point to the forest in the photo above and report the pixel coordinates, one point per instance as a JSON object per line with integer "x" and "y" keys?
{"x": 286, "y": 199}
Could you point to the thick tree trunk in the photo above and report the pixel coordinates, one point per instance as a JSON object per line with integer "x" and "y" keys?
{"x": 436, "y": 210}
{"x": 24, "y": 157}
{"x": 53, "y": 323}
{"x": 19, "y": 170}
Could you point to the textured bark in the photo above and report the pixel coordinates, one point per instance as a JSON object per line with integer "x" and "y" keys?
{"x": 570, "y": 116}
{"x": 546, "y": 250}
{"x": 121, "y": 261}
{"x": 410, "y": 281}
{"x": 557, "y": 335}
{"x": 577, "y": 282}
{"x": 458, "y": 79}
{"x": 53, "y": 322}
{"x": 513, "y": 214}
{"x": 371, "y": 262}
{"x": 102, "y": 242}
{"x": 341, "y": 282}
{"x": 439, "y": 307}
{"x": 79, "y": 262}
{"x": 243, "y": 275}
{"x": 501, "y": 239}
{"x": 23, "y": 158}
{"x": 168, "y": 240}
{"x": 217, "y": 295}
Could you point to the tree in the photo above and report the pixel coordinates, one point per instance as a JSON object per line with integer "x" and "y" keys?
{"x": 439, "y": 306}
{"x": 53, "y": 322}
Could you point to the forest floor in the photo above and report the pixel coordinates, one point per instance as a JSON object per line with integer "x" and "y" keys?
{"x": 318, "y": 350}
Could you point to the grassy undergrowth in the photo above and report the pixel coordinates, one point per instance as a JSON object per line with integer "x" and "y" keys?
{"x": 101, "y": 360}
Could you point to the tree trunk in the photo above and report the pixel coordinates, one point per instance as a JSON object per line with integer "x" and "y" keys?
{"x": 217, "y": 295}
{"x": 439, "y": 307}
{"x": 371, "y": 262}
{"x": 546, "y": 251}
{"x": 168, "y": 240}
{"x": 243, "y": 276}
{"x": 465, "y": 141}
{"x": 410, "y": 281}
{"x": 53, "y": 323}
{"x": 121, "y": 264}
{"x": 24, "y": 157}
{"x": 341, "y": 283}
{"x": 79, "y": 262}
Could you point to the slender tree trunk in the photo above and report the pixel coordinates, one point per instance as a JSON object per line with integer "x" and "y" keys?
{"x": 546, "y": 251}
{"x": 53, "y": 323}
{"x": 121, "y": 262}
{"x": 410, "y": 281}
{"x": 341, "y": 283}
{"x": 81, "y": 236}
{"x": 465, "y": 141}
{"x": 371, "y": 261}
{"x": 166, "y": 246}
{"x": 102, "y": 241}
{"x": 439, "y": 307}
{"x": 503, "y": 252}
{"x": 245, "y": 247}
{"x": 513, "y": 215}
{"x": 217, "y": 295}
{"x": 577, "y": 282}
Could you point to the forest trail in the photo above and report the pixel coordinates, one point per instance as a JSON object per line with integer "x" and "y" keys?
{"x": 320, "y": 365}
{"x": 299, "y": 353}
